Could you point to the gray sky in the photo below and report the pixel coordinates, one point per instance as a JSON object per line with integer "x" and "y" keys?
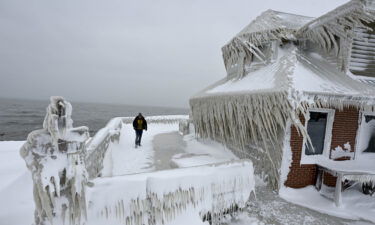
{"x": 153, "y": 52}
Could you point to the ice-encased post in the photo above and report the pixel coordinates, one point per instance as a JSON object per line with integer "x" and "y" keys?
{"x": 55, "y": 157}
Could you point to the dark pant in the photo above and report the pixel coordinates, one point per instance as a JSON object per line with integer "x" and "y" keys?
{"x": 138, "y": 137}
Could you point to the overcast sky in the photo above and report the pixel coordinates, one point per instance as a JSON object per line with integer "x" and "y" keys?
{"x": 153, "y": 52}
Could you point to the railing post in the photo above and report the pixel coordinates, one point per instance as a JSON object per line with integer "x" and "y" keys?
{"x": 338, "y": 190}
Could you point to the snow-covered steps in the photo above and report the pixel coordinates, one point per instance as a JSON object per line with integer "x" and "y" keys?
{"x": 195, "y": 193}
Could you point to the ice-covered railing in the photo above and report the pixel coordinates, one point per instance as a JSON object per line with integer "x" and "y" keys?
{"x": 206, "y": 192}
{"x": 98, "y": 145}
{"x": 159, "y": 119}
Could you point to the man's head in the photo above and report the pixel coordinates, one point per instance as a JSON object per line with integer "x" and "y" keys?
{"x": 140, "y": 114}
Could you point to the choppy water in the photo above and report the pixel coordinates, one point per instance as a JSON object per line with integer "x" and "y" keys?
{"x": 19, "y": 117}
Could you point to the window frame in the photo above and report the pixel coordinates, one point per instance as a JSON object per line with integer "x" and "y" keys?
{"x": 311, "y": 159}
{"x": 361, "y": 118}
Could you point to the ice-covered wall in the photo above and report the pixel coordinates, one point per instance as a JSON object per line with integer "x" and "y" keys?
{"x": 55, "y": 157}
{"x": 207, "y": 192}
{"x": 98, "y": 146}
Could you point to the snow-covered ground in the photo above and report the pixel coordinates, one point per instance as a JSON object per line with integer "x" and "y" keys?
{"x": 16, "y": 197}
{"x": 355, "y": 204}
{"x": 270, "y": 208}
{"x": 201, "y": 153}
{"x": 162, "y": 148}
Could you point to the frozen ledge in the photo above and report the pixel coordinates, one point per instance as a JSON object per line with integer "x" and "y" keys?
{"x": 203, "y": 193}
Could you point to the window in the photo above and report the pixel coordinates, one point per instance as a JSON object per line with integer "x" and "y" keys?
{"x": 366, "y": 139}
{"x": 316, "y": 128}
{"x": 319, "y": 128}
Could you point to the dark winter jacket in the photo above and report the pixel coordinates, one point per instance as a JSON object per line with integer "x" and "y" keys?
{"x": 139, "y": 123}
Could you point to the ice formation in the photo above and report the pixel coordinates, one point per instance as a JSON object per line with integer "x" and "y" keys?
{"x": 55, "y": 157}
{"x": 157, "y": 198}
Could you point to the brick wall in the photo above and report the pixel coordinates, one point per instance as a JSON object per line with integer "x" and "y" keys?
{"x": 344, "y": 130}
{"x": 345, "y": 127}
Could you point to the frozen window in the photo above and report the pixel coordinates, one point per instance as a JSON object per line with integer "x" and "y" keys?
{"x": 370, "y": 125}
{"x": 316, "y": 128}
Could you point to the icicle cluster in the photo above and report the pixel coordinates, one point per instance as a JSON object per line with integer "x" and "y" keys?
{"x": 159, "y": 197}
{"x": 248, "y": 121}
{"x": 360, "y": 178}
{"x": 55, "y": 157}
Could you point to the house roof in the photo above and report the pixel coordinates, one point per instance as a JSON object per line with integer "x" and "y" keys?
{"x": 274, "y": 20}
{"x": 295, "y": 71}
{"x": 329, "y": 31}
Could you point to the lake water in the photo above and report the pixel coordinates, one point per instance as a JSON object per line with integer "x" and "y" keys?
{"x": 20, "y": 117}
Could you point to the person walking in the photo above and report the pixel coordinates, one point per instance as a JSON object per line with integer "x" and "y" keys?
{"x": 139, "y": 124}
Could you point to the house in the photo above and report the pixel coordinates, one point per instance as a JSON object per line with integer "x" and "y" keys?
{"x": 299, "y": 97}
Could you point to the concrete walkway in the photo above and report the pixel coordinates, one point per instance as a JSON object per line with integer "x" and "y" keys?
{"x": 165, "y": 146}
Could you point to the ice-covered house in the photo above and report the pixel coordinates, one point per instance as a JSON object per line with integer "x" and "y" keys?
{"x": 298, "y": 98}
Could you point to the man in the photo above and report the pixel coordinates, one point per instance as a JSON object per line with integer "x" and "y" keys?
{"x": 139, "y": 124}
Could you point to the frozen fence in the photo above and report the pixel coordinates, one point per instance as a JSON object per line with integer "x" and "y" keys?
{"x": 207, "y": 192}
{"x": 159, "y": 119}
